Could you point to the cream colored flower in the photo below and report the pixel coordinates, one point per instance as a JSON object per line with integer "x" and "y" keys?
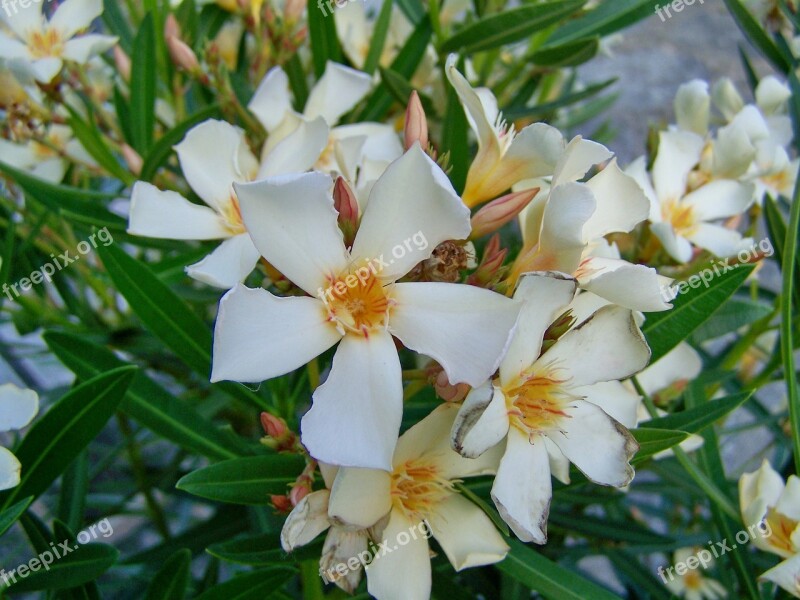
{"x": 18, "y": 407}
{"x": 692, "y": 585}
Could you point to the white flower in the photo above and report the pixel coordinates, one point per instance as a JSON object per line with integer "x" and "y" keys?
{"x": 680, "y": 219}
{"x": 18, "y": 407}
{"x": 355, "y": 31}
{"x": 43, "y": 45}
{"x": 504, "y": 156}
{"x": 771, "y": 512}
{"x": 416, "y": 496}
{"x": 692, "y": 585}
{"x": 356, "y": 413}
{"x": 213, "y": 156}
{"x": 545, "y": 404}
{"x": 565, "y": 224}
{"x": 46, "y": 160}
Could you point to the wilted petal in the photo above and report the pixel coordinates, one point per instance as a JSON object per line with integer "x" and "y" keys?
{"x": 340, "y": 547}
{"x": 259, "y": 336}
{"x": 465, "y": 328}
{"x": 402, "y": 571}
{"x": 355, "y": 417}
{"x": 306, "y": 521}
{"x": 482, "y": 421}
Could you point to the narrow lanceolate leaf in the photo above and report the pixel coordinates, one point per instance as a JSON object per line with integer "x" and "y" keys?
{"x": 788, "y": 291}
{"x": 568, "y": 54}
{"x": 322, "y": 33}
{"x": 143, "y": 86}
{"x": 147, "y": 402}
{"x": 56, "y": 438}
{"x": 732, "y": 316}
{"x": 167, "y": 316}
{"x": 249, "y": 480}
{"x": 697, "y": 300}
{"x": 262, "y": 550}
{"x": 10, "y": 515}
{"x": 81, "y": 565}
{"x": 252, "y": 586}
{"x": 510, "y": 26}
{"x": 93, "y": 142}
{"x": 697, "y": 419}
{"x": 171, "y": 581}
{"x": 604, "y": 20}
{"x": 653, "y": 441}
{"x": 378, "y": 37}
{"x": 551, "y": 580}
{"x": 757, "y": 35}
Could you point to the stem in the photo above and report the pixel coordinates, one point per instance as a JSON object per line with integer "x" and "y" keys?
{"x": 787, "y": 333}
{"x": 312, "y": 583}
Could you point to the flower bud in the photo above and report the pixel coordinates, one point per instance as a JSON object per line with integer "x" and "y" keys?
{"x": 281, "y": 503}
{"x": 273, "y": 426}
{"x": 181, "y": 54}
{"x": 498, "y": 212}
{"x": 345, "y": 203}
{"x": 416, "y": 129}
{"x": 489, "y": 270}
{"x": 297, "y": 493}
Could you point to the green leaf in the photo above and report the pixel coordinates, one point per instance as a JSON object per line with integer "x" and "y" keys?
{"x": 150, "y": 404}
{"x": 74, "y": 487}
{"x": 628, "y": 565}
{"x": 90, "y": 138}
{"x": 652, "y": 441}
{"x": 161, "y": 150}
{"x": 569, "y": 54}
{"x": 757, "y": 36}
{"x": 167, "y": 316}
{"x": 733, "y": 315}
{"x": 413, "y": 9}
{"x": 171, "y": 581}
{"x": 322, "y": 34}
{"x": 81, "y": 565}
{"x": 378, "y": 37}
{"x": 143, "y": 86}
{"x": 257, "y": 585}
{"x": 547, "y": 108}
{"x": 605, "y": 529}
{"x": 509, "y": 26}
{"x": 697, "y": 419}
{"x": 56, "y": 438}
{"x": 693, "y": 306}
{"x": 10, "y": 515}
{"x": 609, "y": 16}
{"x": 549, "y": 579}
{"x": 85, "y": 206}
{"x": 117, "y": 23}
{"x": 249, "y": 480}
{"x": 400, "y": 89}
{"x": 261, "y": 550}
{"x": 455, "y": 140}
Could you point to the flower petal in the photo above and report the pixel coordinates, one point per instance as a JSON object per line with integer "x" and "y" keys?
{"x": 578, "y": 158}
{"x": 621, "y": 203}
{"x": 306, "y": 521}
{"x": 544, "y": 296}
{"x": 81, "y": 49}
{"x": 606, "y": 347}
{"x": 12, "y": 49}
{"x": 18, "y": 407}
{"x": 720, "y": 199}
{"x": 412, "y": 209}
{"x": 637, "y": 287}
{"x": 718, "y": 240}
{"x": 293, "y": 224}
{"x": 360, "y": 497}
{"x": 522, "y": 488}
{"x": 272, "y": 99}
{"x": 168, "y": 215}
{"x": 338, "y": 90}
{"x": 214, "y": 155}
{"x": 678, "y": 247}
{"x": 340, "y": 547}
{"x": 595, "y": 443}
{"x": 786, "y": 575}
{"x": 466, "y": 534}
{"x": 355, "y": 417}
{"x": 616, "y": 400}
{"x": 74, "y": 15}
{"x": 25, "y": 19}
{"x": 561, "y": 242}
{"x": 465, "y": 328}
{"x": 482, "y": 421}
{"x": 693, "y": 107}
{"x": 259, "y": 336}
{"x": 298, "y": 151}
{"x": 678, "y": 153}
{"x": 681, "y": 363}
{"x": 45, "y": 69}
{"x": 10, "y": 469}
{"x": 400, "y": 571}
{"x": 231, "y": 262}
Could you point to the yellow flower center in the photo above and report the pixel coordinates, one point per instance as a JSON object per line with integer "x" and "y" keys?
{"x": 693, "y": 580}
{"x": 418, "y": 487}
{"x": 357, "y": 301}
{"x": 680, "y": 215}
{"x": 782, "y": 528}
{"x": 232, "y": 215}
{"x": 536, "y": 402}
{"x": 46, "y": 43}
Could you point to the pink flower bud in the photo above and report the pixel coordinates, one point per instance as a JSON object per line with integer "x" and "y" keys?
{"x": 297, "y": 493}
{"x": 182, "y": 56}
{"x": 345, "y": 203}
{"x": 498, "y": 212}
{"x": 488, "y": 271}
{"x": 416, "y": 129}
{"x": 281, "y": 503}
{"x": 273, "y": 426}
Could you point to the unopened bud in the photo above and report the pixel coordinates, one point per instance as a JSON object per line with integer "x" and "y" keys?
{"x": 273, "y": 426}
{"x": 489, "y": 270}
{"x": 450, "y": 392}
{"x": 182, "y": 56}
{"x": 132, "y": 159}
{"x": 416, "y": 129}
{"x": 498, "y": 212}
{"x": 557, "y": 329}
{"x": 281, "y": 503}
{"x": 345, "y": 203}
{"x": 297, "y": 493}
{"x": 123, "y": 63}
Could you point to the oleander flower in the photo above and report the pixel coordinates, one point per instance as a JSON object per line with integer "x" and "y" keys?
{"x": 543, "y": 402}
{"x": 771, "y": 509}
{"x": 680, "y": 218}
{"x": 48, "y": 158}
{"x": 419, "y": 489}
{"x": 18, "y": 407}
{"x": 355, "y": 300}
{"x": 693, "y": 585}
{"x": 42, "y": 45}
